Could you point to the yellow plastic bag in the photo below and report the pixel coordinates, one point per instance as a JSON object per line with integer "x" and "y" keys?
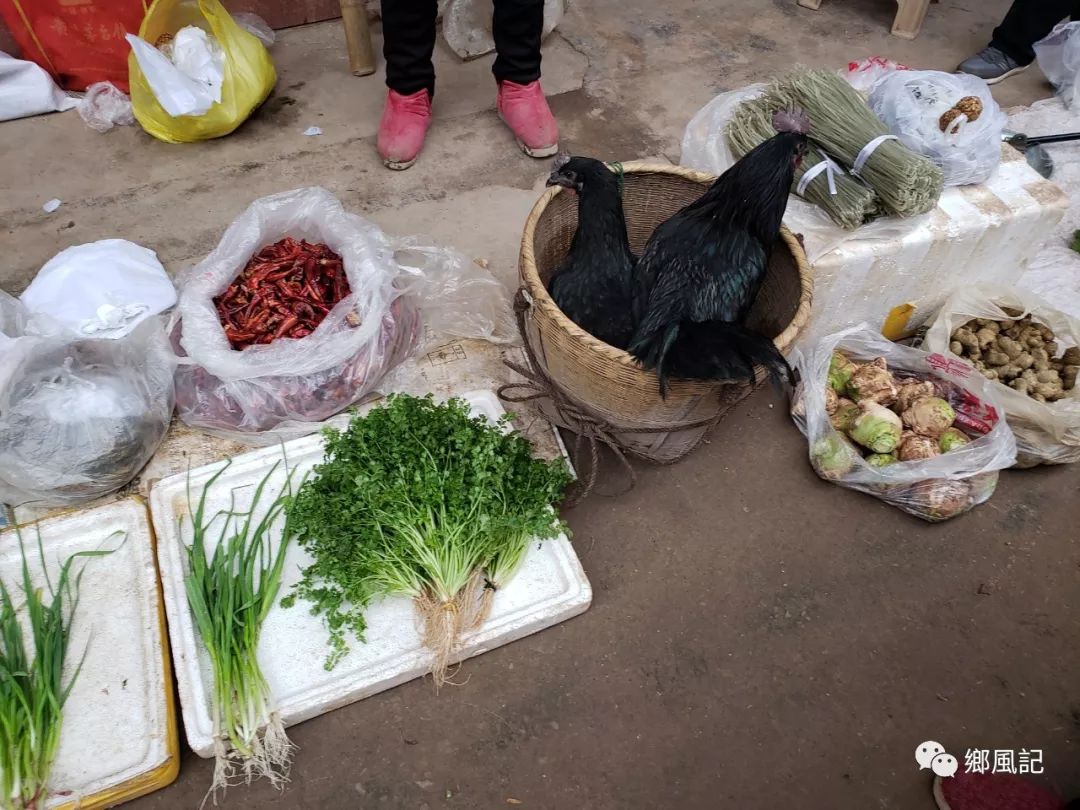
{"x": 249, "y": 72}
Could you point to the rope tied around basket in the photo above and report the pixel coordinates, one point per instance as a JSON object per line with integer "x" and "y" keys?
{"x": 587, "y": 426}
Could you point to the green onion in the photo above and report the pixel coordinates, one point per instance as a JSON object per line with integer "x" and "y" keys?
{"x": 230, "y": 589}
{"x": 32, "y": 692}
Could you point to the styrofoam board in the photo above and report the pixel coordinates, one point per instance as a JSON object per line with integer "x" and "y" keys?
{"x": 549, "y": 588}
{"x": 118, "y": 737}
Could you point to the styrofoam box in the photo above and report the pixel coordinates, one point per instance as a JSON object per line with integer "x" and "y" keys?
{"x": 117, "y": 740}
{"x": 977, "y": 234}
{"x": 549, "y": 588}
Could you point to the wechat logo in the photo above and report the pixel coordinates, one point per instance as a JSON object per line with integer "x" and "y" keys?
{"x": 932, "y": 755}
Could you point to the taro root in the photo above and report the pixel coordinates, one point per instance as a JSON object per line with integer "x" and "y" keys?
{"x": 952, "y": 439}
{"x": 872, "y": 382}
{"x": 911, "y": 390}
{"x": 833, "y": 457}
{"x": 843, "y": 418}
{"x": 881, "y": 459}
{"x": 929, "y": 416}
{"x": 832, "y": 401}
{"x": 878, "y": 429}
{"x": 840, "y": 371}
{"x": 940, "y": 499}
{"x": 917, "y": 448}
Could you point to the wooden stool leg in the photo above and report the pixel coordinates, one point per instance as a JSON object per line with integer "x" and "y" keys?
{"x": 357, "y": 37}
{"x": 814, "y": 4}
{"x": 909, "y": 18}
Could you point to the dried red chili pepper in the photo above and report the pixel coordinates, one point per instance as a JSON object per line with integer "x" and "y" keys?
{"x": 285, "y": 291}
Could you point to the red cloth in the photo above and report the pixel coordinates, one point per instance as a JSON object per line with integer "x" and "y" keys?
{"x": 992, "y": 791}
{"x": 78, "y": 41}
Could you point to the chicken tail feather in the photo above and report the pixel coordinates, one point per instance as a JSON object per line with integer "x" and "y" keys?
{"x": 653, "y": 352}
{"x": 718, "y": 350}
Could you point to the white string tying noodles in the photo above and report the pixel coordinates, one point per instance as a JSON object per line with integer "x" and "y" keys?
{"x": 829, "y": 167}
{"x": 867, "y": 151}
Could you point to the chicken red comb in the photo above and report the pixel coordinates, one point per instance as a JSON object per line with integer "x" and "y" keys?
{"x": 791, "y": 120}
{"x": 560, "y": 160}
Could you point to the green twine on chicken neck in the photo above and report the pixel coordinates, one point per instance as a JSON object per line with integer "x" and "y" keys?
{"x": 620, "y": 174}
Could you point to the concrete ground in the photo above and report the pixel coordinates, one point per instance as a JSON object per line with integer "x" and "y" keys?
{"x": 758, "y": 638}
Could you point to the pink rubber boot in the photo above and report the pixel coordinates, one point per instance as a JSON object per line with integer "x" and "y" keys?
{"x": 525, "y": 110}
{"x": 404, "y": 124}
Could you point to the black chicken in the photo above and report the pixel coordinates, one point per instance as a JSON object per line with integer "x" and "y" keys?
{"x": 701, "y": 270}
{"x": 593, "y": 285}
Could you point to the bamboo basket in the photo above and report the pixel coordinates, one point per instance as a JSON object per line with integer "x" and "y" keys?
{"x": 606, "y": 382}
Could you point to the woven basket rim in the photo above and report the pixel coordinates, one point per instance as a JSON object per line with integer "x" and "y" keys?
{"x": 536, "y": 290}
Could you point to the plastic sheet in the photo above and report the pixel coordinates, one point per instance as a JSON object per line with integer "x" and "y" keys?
{"x": 105, "y": 106}
{"x": 864, "y": 74}
{"x": 283, "y": 389}
{"x": 78, "y": 418}
{"x": 101, "y": 289}
{"x": 1046, "y": 433}
{"x": 256, "y": 26}
{"x": 26, "y": 89}
{"x": 467, "y": 25}
{"x": 933, "y": 489}
{"x": 1058, "y": 55}
{"x": 912, "y": 103}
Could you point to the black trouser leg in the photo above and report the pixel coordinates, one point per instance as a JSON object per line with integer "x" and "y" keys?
{"x": 517, "y": 27}
{"x": 408, "y": 40}
{"x": 1027, "y": 22}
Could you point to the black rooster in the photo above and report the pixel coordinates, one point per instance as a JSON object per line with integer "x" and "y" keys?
{"x": 701, "y": 270}
{"x": 593, "y": 285}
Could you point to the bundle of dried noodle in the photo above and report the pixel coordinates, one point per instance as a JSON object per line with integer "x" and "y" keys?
{"x": 848, "y": 202}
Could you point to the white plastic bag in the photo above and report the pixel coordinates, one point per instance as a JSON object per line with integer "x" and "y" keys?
{"x": 1046, "y": 433}
{"x": 101, "y": 289}
{"x": 105, "y": 106}
{"x": 704, "y": 145}
{"x": 187, "y": 80}
{"x": 26, "y": 89}
{"x": 285, "y": 388}
{"x": 79, "y": 418}
{"x": 1058, "y": 55}
{"x": 911, "y": 104}
{"x": 467, "y": 25}
{"x": 865, "y": 73}
{"x": 933, "y": 489}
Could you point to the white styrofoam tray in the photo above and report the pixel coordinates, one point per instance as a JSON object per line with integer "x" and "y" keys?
{"x": 549, "y": 588}
{"x": 116, "y": 725}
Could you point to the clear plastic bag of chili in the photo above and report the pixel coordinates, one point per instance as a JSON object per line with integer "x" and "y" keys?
{"x": 301, "y": 310}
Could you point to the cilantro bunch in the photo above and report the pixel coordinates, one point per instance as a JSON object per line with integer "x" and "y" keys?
{"x": 420, "y": 499}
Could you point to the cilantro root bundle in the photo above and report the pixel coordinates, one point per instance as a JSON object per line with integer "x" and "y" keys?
{"x": 421, "y": 499}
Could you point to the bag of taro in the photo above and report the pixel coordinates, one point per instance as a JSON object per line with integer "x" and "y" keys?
{"x": 918, "y": 430}
{"x": 301, "y": 310}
